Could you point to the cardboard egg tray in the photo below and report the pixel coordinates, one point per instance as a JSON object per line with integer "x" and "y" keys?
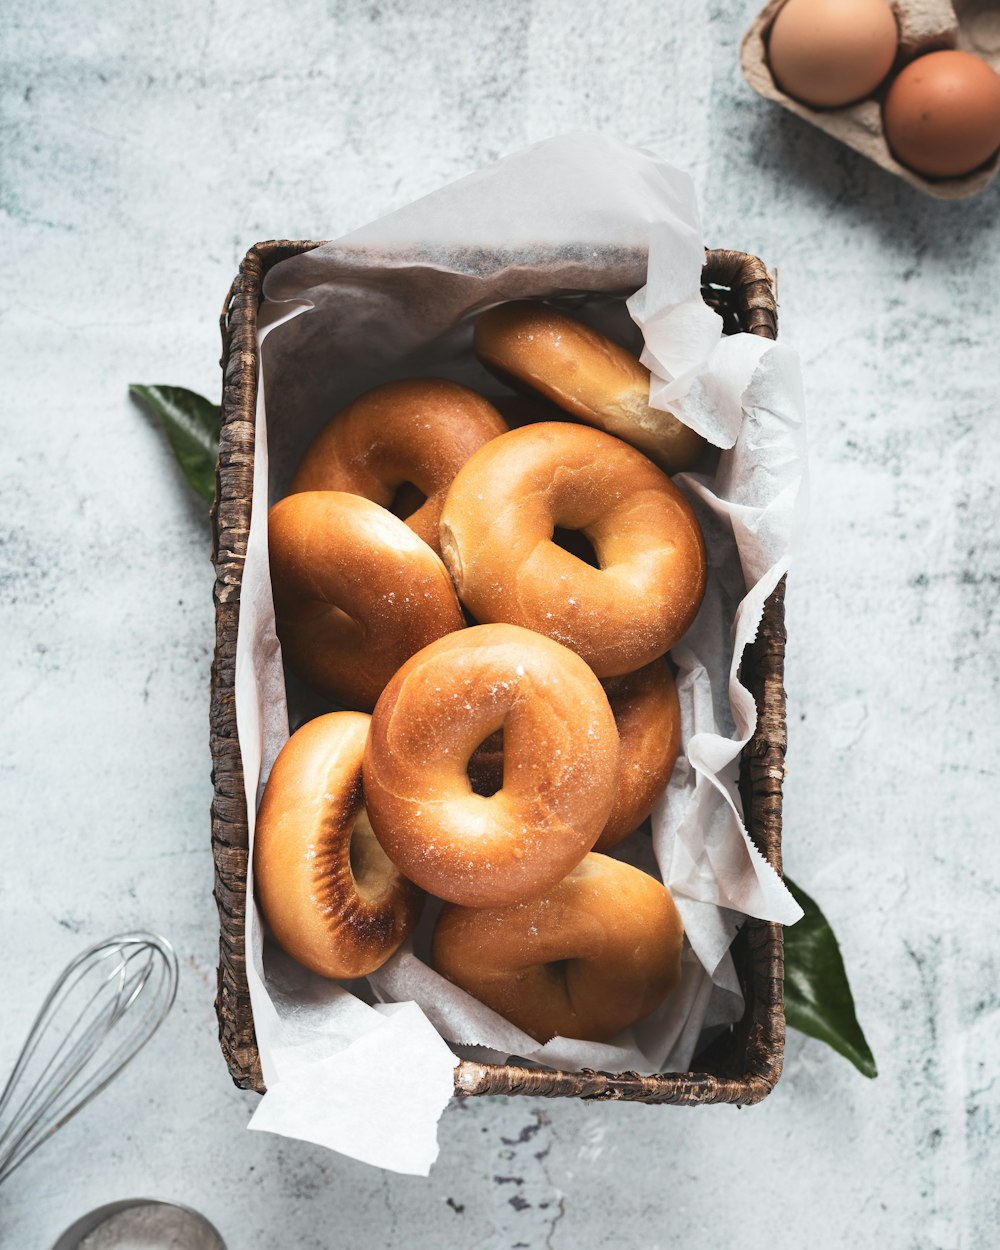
{"x": 924, "y": 26}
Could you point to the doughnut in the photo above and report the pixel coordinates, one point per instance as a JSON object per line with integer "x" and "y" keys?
{"x": 586, "y": 374}
{"x": 333, "y": 900}
{"x": 401, "y": 442}
{"x": 560, "y": 765}
{"x": 648, "y": 717}
{"x": 598, "y": 952}
{"x": 651, "y": 578}
{"x": 356, "y": 593}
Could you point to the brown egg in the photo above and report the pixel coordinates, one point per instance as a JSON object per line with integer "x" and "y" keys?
{"x": 942, "y": 114}
{"x": 832, "y": 52}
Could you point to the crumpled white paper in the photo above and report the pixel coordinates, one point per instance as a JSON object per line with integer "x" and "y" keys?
{"x": 587, "y": 220}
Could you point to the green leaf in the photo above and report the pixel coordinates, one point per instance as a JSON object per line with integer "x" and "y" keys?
{"x": 191, "y": 424}
{"x": 818, "y": 999}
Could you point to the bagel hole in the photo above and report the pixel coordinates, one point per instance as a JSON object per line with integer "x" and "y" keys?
{"x": 371, "y": 868}
{"x": 485, "y": 767}
{"x": 577, "y": 544}
{"x": 407, "y": 499}
{"x": 557, "y": 969}
{"x": 345, "y": 629}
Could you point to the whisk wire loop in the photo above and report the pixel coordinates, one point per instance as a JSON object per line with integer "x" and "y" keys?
{"x": 79, "y": 1040}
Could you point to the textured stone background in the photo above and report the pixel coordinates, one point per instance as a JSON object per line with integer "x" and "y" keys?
{"x": 145, "y": 148}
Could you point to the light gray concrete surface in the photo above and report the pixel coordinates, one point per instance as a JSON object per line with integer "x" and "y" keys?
{"x": 144, "y": 149}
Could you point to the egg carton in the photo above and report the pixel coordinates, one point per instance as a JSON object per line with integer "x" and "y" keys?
{"x": 924, "y": 26}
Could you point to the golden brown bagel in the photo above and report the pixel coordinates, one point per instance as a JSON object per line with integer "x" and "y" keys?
{"x": 648, "y": 717}
{"x": 496, "y": 537}
{"x": 356, "y": 592}
{"x": 586, "y": 374}
{"x": 598, "y": 952}
{"x": 333, "y": 900}
{"x": 560, "y": 764}
{"x": 418, "y": 432}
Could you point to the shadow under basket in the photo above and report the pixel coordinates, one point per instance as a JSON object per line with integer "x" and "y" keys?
{"x": 740, "y": 1066}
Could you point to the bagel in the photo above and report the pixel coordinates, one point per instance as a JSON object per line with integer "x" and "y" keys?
{"x": 651, "y": 578}
{"x": 560, "y": 765}
{"x": 586, "y": 374}
{"x": 600, "y": 950}
{"x": 403, "y": 441}
{"x": 648, "y": 718}
{"x": 356, "y": 593}
{"x": 332, "y": 898}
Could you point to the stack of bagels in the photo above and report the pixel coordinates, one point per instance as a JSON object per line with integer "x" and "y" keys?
{"x": 501, "y": 653}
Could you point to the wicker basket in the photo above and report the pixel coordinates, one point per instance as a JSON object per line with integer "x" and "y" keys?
{"x": 742, "y": 1065}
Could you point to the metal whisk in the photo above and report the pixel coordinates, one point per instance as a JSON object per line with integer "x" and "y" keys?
{"x": 103, "y": 1008}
